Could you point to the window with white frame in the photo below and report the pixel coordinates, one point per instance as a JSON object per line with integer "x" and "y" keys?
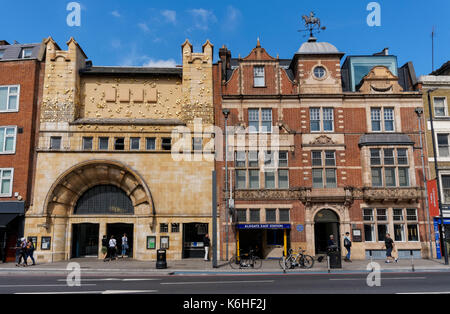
{"x": 135, "y": 143}
{"x": 26, "y": 53}
{"x": 445, "y": 180}
{"x": 260, "y": 120}
{"x": 103, "y": 143}
{"x": 440, "y": 107}
{"x": 8, "y": 140}
{"x": 375, "y": 224}
{"x": 382, "y": 119}
{"x": 6, "y": 179}
{"x": 389, "y": 167}
{"x": 413, "y": 226}
{"x": 88, "y": 143}
{"x": 324, "y": 169}
{"x": 9, "y": 98}
{"x": 2, "y": 53}
{"x": 259, "y": 76}
{"x": 443, "y": 146}
{"x": 321, "y": 119}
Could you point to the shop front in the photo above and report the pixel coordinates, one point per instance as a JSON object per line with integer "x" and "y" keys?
{"x": 266, "y": 240}
{"x": 440, "y": 242}
{"x": 11, "y": 229}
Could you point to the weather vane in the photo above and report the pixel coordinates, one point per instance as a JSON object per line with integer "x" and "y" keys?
{"x": 312, "y": 24}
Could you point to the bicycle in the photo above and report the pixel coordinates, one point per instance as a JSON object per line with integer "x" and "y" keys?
{"x": 296, "y": 260}
{"x": 249, "y": 260}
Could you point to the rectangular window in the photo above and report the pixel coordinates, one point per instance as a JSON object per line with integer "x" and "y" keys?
{"x": 381, "y": 214}
{"x": 175, "y": 227}
{"x": 271, "y": 215}
{"x": 377, "y": 180}
{"x": 446, "y": 187}
{"x": 255, "y": 215}
{"x": 411, "y": 214}
{"x": 240, "y": 159}
{"x": 241, "y": 215}
{"x": 266, "y": 120}
{"x": 390, "y": 177}
{"x": 6, "y": 179}
{"x": 163, "y": 228}
{"x": 2, "y": 52}
{"x": 166, "y": 144}
{"x": 331, "y": 178}
{"x": 55, "y": 142}
{"x": 259, "y": 76}
{"x": 253, "y": 120}
{"x": 402, "y": 156}
{"x": 328, "y": 120}
{"x": 439, "y": 106}
{"x": 388, "y": 119}
{"x": 398, "y": 214}
{"x": 316, "y": 158}
{"x": 368, "y": 214}
{"x": 317, "y": 175}
{"x": 399, "y": 233}
{"x": 197, "y": 144}
{"x": 375, "y": 114}
{"x": 119, "y": 143}
{"x": 389, "y": 157}
{"x": 284, "y": 215}
{"x": 375, "y": 157}
{"x": 413, "y": 233}
{"x": 283, "y": 159}
{"x": 150, "y": 143}
{"x": 253, "y": 159}
{"x": 8, "y": 140}
{"x": 103, "y": 143}
{"x": 443, "y": 145}
{"x": 269, "y": 178}
{"x": 241, "y": 180}
{"x": 382, "y": 231}
{"x": 315, "y": 119}
{"x": 283, "y": 179}
{"x": 9, "y": 98}
{"x": 369, "y": 233}
{"x": 88, "y": 143}
{"x": 135, "y": 143}
{"x": 330, "y": 159}
{"x": 253, "y": 179}
{"x": 268, "y": 159}
{"x": 403, "y": 177}
{"x": 26, "y": 53}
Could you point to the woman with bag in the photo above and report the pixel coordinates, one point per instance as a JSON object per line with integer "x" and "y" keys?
{"x": 124, "y": 244}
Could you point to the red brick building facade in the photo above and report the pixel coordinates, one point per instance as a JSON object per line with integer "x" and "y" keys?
{"x": 21, "y": 86}
{"x": 328, "y": 149}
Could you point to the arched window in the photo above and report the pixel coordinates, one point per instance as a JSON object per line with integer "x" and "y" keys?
{"x": 104, "y": 200}
{"x": 326, "y": 215}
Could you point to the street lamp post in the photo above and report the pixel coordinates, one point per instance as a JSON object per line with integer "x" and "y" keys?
{"x": 226, "y": 113}
{"x": 442, "y": 231}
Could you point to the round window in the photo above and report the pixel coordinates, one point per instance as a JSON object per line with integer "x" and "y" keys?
{"x": 320, "y": 72}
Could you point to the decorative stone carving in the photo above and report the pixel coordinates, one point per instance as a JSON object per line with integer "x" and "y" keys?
{"x": 380, "y": 80}
{"x": 392, "y": 194}
{"x": 323, "y": 140}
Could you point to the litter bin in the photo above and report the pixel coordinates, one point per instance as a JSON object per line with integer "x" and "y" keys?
{"x": 161, "y": 261}
{"x": 335, "y": 257}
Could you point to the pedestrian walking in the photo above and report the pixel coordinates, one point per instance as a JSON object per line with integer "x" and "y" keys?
{"x": 105, "y": 247}
{"x": 21, "y": 257}
{"x": 124, "y": 244}
{"x": 207, "y": 244}
{"x": 30, "y": 252}
{"x": 389, "y": 244}
{"x": 112, "y": 246}
{"x": 348, "y": 246}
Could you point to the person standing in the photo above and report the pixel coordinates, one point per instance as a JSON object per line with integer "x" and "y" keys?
{"x": 112, "y": 248}
{"x": 207, "y": 244}
{"x": 105, "y": 247}
{"x": 21, "y": 254}
{"x": 389, "y": 244}
{"x": 347, "y": 245}
{"x": 30, "y": 251}
{"x": 124, "y": 244}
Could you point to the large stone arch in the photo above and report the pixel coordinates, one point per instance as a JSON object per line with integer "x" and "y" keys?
{"x": 71, "y": 185}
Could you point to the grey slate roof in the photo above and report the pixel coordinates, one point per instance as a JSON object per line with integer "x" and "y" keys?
{"x": 312, "y": 47}
{"x": 13, "y": 52}
{"x": 385, "y": 139}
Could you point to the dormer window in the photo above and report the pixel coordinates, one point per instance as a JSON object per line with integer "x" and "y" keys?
{"x": 259, "y": 76}
{"x": 26, "y": 53}
{"x": 2, "y": 53}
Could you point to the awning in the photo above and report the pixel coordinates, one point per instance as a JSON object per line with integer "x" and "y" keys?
{"x": 385, "y": 139}
{"x": 12, "y": 208}
{"x": 5, "y": 219}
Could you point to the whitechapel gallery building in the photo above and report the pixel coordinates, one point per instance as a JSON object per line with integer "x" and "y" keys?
{"x": 104, "y": 162}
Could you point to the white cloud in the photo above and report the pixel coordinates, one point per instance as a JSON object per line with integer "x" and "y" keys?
{"x": 151, "y": 63}
{"x": 232, "y": 18}
{"x": 144, "y": 27}
{"x": 116, "y": 14}
{"x": 170, "y": 16}
{"x": 202, "y": 18}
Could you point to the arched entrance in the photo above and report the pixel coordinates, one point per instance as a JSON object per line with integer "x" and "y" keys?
{"x": 326, "y": 223}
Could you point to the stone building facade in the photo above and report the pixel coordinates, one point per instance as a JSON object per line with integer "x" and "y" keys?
{"x": 104, "y": 157}
{"x": 312, "y": 154}
{"x": 21, "y": 81}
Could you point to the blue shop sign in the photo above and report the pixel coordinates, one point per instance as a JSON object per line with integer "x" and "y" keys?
{"x": 263, "y": 226}
{"x": 446, "y": 221}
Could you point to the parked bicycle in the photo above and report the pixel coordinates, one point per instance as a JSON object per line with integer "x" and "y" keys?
{"x": 249, "y": 260}
{"x": 299, "y": 259}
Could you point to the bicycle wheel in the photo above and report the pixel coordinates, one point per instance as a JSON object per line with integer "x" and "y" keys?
{"x": 307, "y": 261}
{"x": 257, "y": 262}
{"x": 290, "y": 262}
{"x": 235, "y": 263}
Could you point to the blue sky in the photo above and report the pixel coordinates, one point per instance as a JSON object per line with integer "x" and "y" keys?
{"x": 147, "y": 32}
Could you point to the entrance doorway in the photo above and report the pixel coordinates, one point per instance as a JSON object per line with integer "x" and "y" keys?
{"x": 118, "y": 230}
{"x": 85, "y": 238}
{"x": 252, "y": 240}
{"x": 193, "y": 235}
{"x": 326, "y": 224}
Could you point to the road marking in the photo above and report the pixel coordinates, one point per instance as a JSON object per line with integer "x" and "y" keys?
{"x": 399, "y": 278}
{"x": 444, "y": 292}
{"x": 93, "y": 292}
{"x": 113, "y": 279}
{"x": 37, "y": 286}
{"x": 215, "y": 282}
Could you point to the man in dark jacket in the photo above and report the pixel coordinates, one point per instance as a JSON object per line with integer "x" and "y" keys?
{"x": 207, "y": 244}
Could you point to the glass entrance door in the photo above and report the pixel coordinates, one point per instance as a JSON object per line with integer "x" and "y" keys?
{"x": 85, "y": 238}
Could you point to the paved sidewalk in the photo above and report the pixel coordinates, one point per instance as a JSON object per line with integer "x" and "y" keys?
{"x": 197, "y": 266}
